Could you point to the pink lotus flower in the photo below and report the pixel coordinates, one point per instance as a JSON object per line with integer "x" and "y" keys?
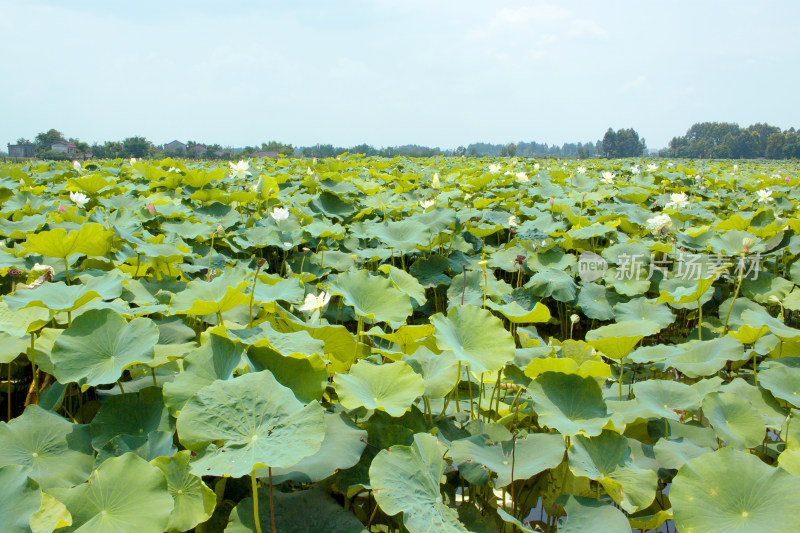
{"x": 151, "y": 208}
{"x": 62, "y": 209}
{"x": 787, "y": 179}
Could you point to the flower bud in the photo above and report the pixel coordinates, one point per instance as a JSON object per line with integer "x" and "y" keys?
{"x": 260, "y": 262}
{"x": 574, "y": 318}
{"x": 220, "y": 230}
{"x": 748, "y": 243}
{"x": 151, "y": 208}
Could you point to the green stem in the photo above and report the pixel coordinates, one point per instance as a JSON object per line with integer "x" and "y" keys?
{"x": 469, "y": 384}
{"x": 119, "y": 382}
{"x": 9, "y": 392}
{"x": 253, "y": 295}
{"x": 700, "y": 319}
{"x": 254, "y": 486}
{"x": 735, "y": 294}
{"x": 210, "y": 256}
{"x": 36, "y": 373}
{"x": 66, "y": 271}
{"x": 153, "y": 372}
{"x": 271, "y": 502}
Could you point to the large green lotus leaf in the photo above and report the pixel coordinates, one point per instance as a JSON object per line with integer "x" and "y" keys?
{"x": 736, "y": 308}
{"x": 11, "y": 347}
{"x": 517, "y": 314}
{"x": 475, "y": 336}
{"x": 406, "y": 283}
{"x": 133, "y": 413}
{"x": 124, "y": 494}
{"x": 761, "y": 401}
{"x": 404, "y": 235}
{"x": 704, "y": 358}
{"x": 644, "y": 309}
{"x": 405, "y": 335}
{"x": 406, "y": 479}
{"x": 783, "y": 382}
{"x": 270, "y": 289}
{"x": 21, "y": 228}
{"x": 729, "y": 242}
{"x": 299, "y": 343}
{"x": 58, "y": 453}
{"x": 373, "y": 297}
{"x": 59, "y": 296}
{"x": 439, "y": 371}
{"x": 584, "y": 514}
{"x": 733, "y": 420}
{"x": 674, "y": 453}
{"x": 148, "y": 447}
{"x": 596, "y": 301}
{"x": 20, "y": 322}
{"x": 553, "y": 283}
{"x": 618, "y": 340}
{"x": 767, "y": 285}
{"x": 307, "y": 377}
{"x": 215, "y": 360}
{"x": 91, "y": 239}
{"x": 342, "y": 448}
{"x": 295, "y": 512}
{"x": 607, "y": 459}
{"x": 194, "y": 502}
{"x": 258, "y": 422}
{"x": 533, "y": 454}
{"x": 432, "y": 271}
{"x": 390, "y": 387}
{"x": 19, "y": 499}
{"x": 685, "y": 293}
{"x": 51, "y": 515}
{"x": 569, "y": 403}
{"x": 202, "y": 297}
{"x": 776, "y": 327}
{"x": 733, "y": 492}
{"x": 662, "y": 397}
{"x": 81, "y": 354}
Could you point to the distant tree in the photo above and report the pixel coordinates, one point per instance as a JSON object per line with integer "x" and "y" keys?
{"x": 774, "y": 146}
{"x": 460, "y": 151}
{"x": 509, "y": 150}
{"x": 136, "y": 146}
{"x": 23, "y": 140}
{"x": 623, "y": 143}
{"x": 45, "y": 139}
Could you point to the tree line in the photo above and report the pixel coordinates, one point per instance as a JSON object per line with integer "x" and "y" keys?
{"x": 719, "y": 140}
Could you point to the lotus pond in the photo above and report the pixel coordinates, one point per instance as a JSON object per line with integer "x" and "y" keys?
{"x": 417, "y": 345}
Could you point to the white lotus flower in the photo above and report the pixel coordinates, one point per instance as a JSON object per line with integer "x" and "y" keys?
{"x": 79, "y": 198}
{"x": 635, "y": 169}
{"x": 523, "y": 177}
{"x": 536, "y": 167}
{"x": 652, "y": 167}
{"x": 312, "y": 303}
{"x": 608, "y": 177}
{"x": 659, "y": 224}
{"x": 678, "y": 200}
{"x": 173, "y": 169}
{"x": 133, "y": 161}
{"x": 435, "y": 181}
{"x": 309, "y": 171}
{"x": 581, "y": 170}
{"x": 426, "y": 203}
{"x": 765, "y": 195}
{"x": 280, "y": 213}
{"x": 513, "y": 221}
{"x": 240, "y": 169}
{"x": 735, "y": 168}
{"x": 467, "y": 196}
{"x": 494, "y": 168}
{"x": 77, "y": 166}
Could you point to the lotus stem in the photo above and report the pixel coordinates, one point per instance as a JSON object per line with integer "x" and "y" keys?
{"x": 271, "y": 502}
{"x": 259, "y": 264}
{"x": 210, "y": 256}
{"x": 9, "y": 392}
{"x": 36, "y": 373}
{"x": 254, "y": 486}
{"x": 153, "y": 372}
{"x": 469, "y": 384}
{"x": 119, "y": 382}
{"x": 735, "y": 295}
{"x": 66, "y": 271}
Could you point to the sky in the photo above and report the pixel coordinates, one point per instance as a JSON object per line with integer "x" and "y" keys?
{"x": 431, "y": 72}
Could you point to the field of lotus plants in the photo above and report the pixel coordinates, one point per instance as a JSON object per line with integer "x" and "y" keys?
{"x": 400, "y": 345}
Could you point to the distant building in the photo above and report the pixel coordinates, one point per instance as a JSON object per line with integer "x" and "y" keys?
{"x": 64, "y": 147}
{"x": 20, "y": 150}
{"x": 175, "y": 147}
{"x": 198, "y": 149}
{"x": 268, "y": 153}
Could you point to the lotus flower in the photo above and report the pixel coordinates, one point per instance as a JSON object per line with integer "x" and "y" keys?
{"x": 765, "y": 195}
{"x": 79, "y": 198}
{"x": 635, "y": 169}
{"x": 133, "y": 161}
{"x": 426, "y": 203}
{"x": 652, "y": 167}
{"x": 735, "y": 168}
{"x": 513, "y": 221}
{"x": 435, "y": 181}
{"x": 151, "y": 208}
{"x": 787, "y": 179}
{"x": 240, "y": 170}
{"x": 678, "y": 200}
{"x": 280, "y": 213}
{"x": 61, "y": 208}
{"x": 523, "y": 177}
{"x": 581, "y": 170}
{"x": 77, "y": 166}
{"x": 536, "y": 167}
{"x": 494, "y": 168}
{"x": 659, "y": 224}
{"x": 608, "y": 177}
{"x": 312, "y": 303}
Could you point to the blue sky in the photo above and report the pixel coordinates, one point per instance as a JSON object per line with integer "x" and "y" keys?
{"x": 439, "y": 73}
